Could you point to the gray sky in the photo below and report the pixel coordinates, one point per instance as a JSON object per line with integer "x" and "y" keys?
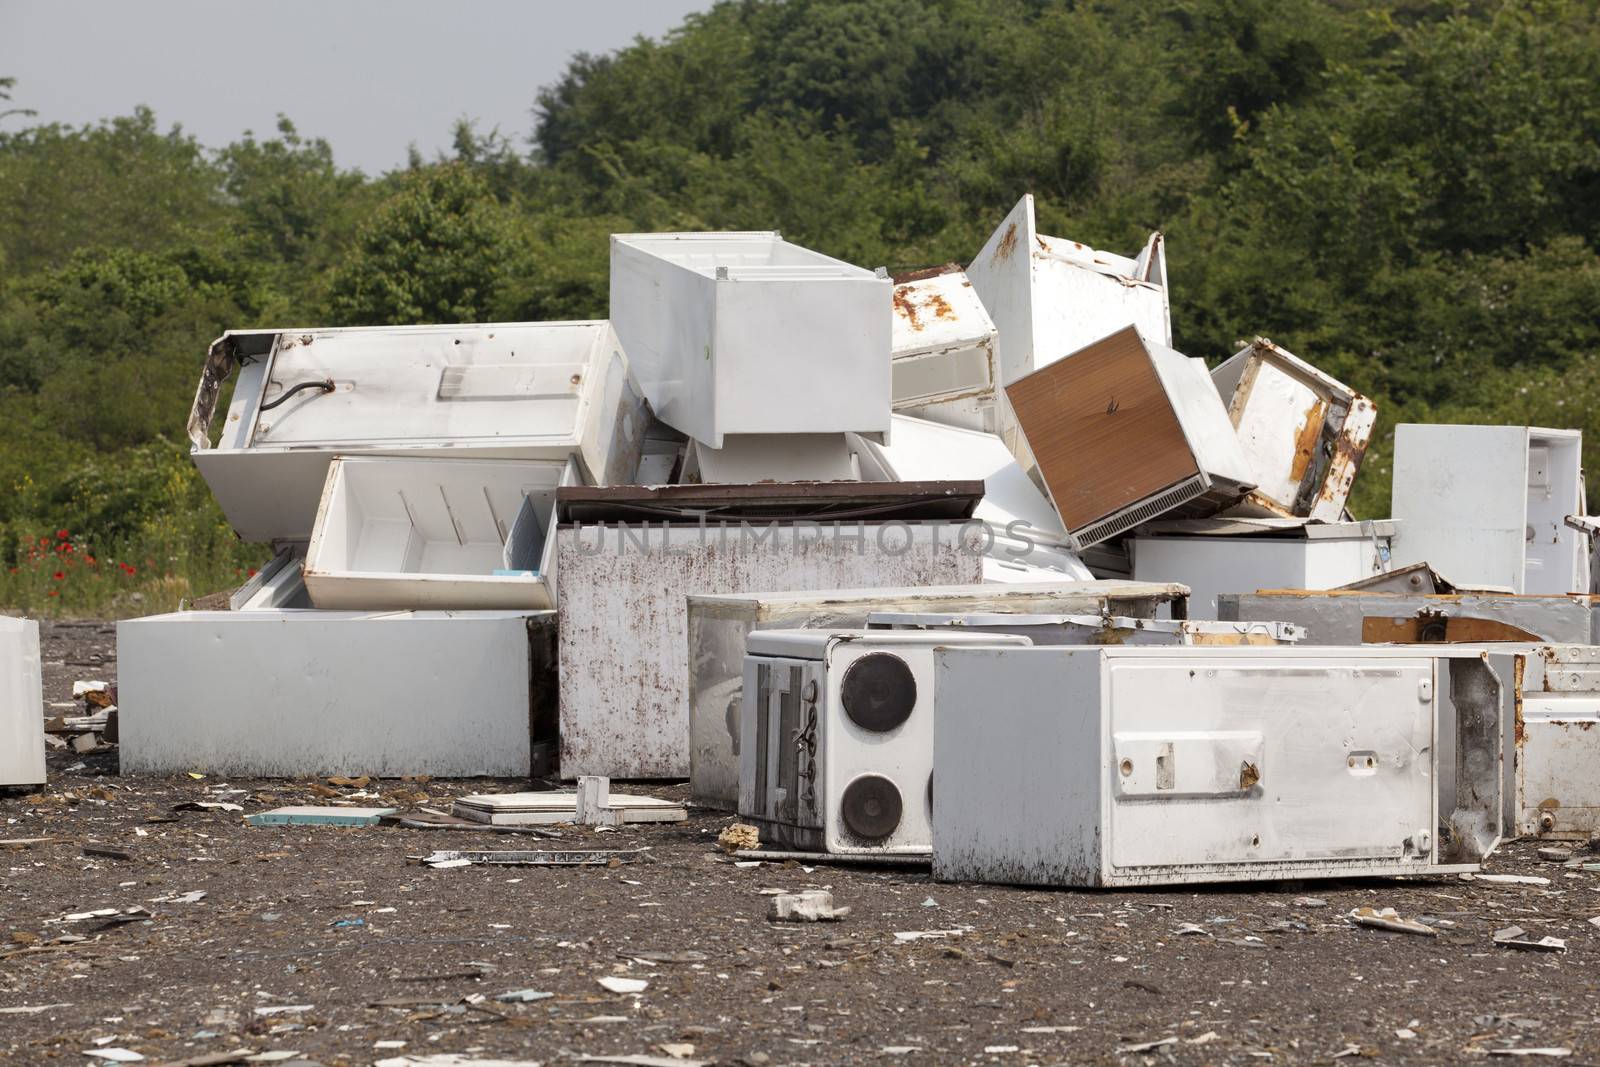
{"x": 371, "y": 76}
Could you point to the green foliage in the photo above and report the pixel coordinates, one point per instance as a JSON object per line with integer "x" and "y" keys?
{"x": 1406, "y": 193}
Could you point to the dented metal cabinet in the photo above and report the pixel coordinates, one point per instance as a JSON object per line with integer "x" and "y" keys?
{"x": 836, "y": 738}
{"x": 720, "y": 626}
{"x": 1339, "y": 617}
{"x": 1049, "y": 296}
{"x": 1303, "y": 432}
{"x": 1045, "y": 630}
{"x": 945, "y": 359}
{"x": 624, "y": 638}
{"x": 403, "y": 533}
{"x": 734, "y": 333}
{"x": 21, "y": 704}
{"x": 1219, "y": 556}
{"x": 533, "y": 391}
{"x": 1486, "y": 505}
{"x": 1159, "y": 766}
{"x": 1126, "y": 430}
{"x": 286, "y": 693}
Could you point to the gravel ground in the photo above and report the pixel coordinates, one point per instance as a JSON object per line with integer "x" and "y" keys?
{"x": 334, "y": 945}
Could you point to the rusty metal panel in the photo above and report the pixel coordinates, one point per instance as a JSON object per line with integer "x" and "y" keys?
{"x": 1186, "y": 765}
{"x": 1097, "y": 629}
{"x": 1557, "y": 743}
{"x": 1303, "y": 431}
{"x": 719, "y": 627}
{"x": 944, "y": 350}
{"x": 624, "y": 617}
{"x": 21, "y": 704}
{"x": 1335, "y": 617}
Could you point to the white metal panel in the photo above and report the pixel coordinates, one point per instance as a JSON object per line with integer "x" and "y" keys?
{"x": 280, "y": 693}
{"x": 1461, "y": 494}
{"x": 748, "y": 458}
{"x": 1336, "y": 618}
{"x": 720, "y": 627}
{"x": 1166, "y": 766}
{"x": 21, "y": 704}
{"x": 510, "y": 390}
{"x": 1312, "y": 761}
{"x": 1558, "y": 792}
{"x": 747, "y": 333}
{"x": 624, "y": 619}
{"x": 1211, "y": 566}
{"x": 1202, "y": 415}
{"x": 398, "y": 533}
{"x": 1049, "y": 296}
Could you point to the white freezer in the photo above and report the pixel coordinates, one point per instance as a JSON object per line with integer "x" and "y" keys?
{"x": 21, "y": 704}
{"x": 1157, "y": 766}
{"x": 1281, "y": 554}
{"x": 1049, "y": 296}
{"x": 287, "y": 693}
{"x": 533, "y": 391}
{"x": 399, "y": 533}
{"x": 719, "y": 627}
{"x": 1486, "y": 505}
{"x": 735, "y": 333}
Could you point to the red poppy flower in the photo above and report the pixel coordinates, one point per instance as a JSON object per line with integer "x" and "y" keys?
{"x": 55, "y": 592}
{"x": 63, "y": 535}
{"x": 58, "y": 575}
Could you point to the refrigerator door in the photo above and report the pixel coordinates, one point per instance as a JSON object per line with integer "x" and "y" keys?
{"x": 21, "y": 704}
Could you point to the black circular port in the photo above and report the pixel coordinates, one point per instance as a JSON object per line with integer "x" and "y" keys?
{"x": 878, "y": 692}
{"x": 871, "y": 807}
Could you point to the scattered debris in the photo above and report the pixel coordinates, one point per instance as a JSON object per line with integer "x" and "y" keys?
{"x": 1553, "y": 1053}
{"x": 1389, "y": 919}
{"x": 524, "y": 996}
{"x": 811, "y": 906}
{"x": 646, "y": 1061}
{"x": 1506, "y": 879}
{"x": 1517, "y": 937}
{"x": 532, "y": 809}
{"x": 315, "y": 815}
{"x": 1555, "y": 855}
{"x": 739, "y": 837}
{"x": 599, "y": 857}
{"x": 1147, "y": 1046}
{"x": 1310, "y": 902}
{"x": 617, "y": 984}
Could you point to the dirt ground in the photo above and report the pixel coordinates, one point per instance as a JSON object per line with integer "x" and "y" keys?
{"x": 332, "y": 945}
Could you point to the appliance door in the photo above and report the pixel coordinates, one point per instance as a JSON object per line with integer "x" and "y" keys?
{"x": 21, "y": 704}
{"x": 1558, "y": 793}
{"x": 1239, "y": 761}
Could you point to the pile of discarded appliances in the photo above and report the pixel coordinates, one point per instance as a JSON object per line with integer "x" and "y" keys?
{"x": 963, "y": 564}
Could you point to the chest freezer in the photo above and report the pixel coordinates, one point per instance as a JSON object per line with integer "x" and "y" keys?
{"x": 1045, "y": 630}
{"x": 21, "y": 704}
{"x": 836, "y": 738}
{"x": 1049, "y": 296}
{"x": 1213, "y": 557}
{"x": 719, "y": 627}
{"x": 1159, "y": 766}
{"x": 533, "y": 391}
{"x": 1303, "y": 432}
{"x": 735, "y": 333}
{"x": 1487, "y": 505}
{"x": 403, "y": 534}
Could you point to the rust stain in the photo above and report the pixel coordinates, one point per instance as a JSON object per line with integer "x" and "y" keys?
{"x": 906, "y": 308}
{"x": 1008, "y": 244}
{"x": 941, "y": 307}
{"x": 1347, "y": 456}
{"x": 1517, "y": 726}
{"x": 1306, "y": 439}
{"x": 1249, "y": 775}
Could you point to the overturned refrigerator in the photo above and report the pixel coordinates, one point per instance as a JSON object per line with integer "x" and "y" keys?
{"x": 405, "y": 479}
